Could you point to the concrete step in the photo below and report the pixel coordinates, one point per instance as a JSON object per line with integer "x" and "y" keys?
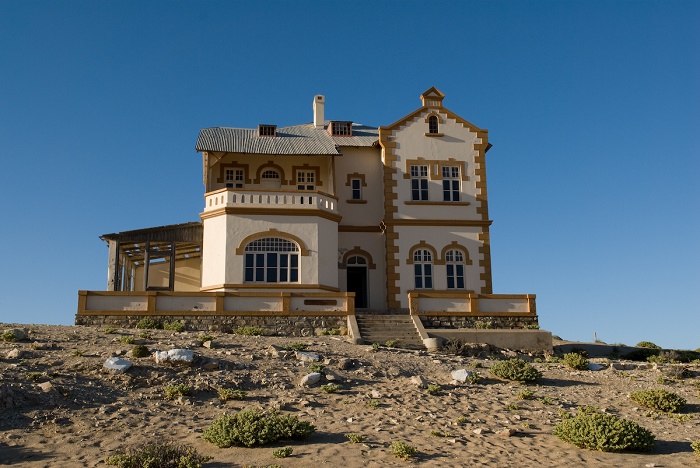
{"x": 380, "y": 328}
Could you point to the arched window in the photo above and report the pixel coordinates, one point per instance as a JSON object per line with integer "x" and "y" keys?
{"x": 356, "y": 260}
{"x": 423, "y": 268}
{"x": 271, "y": 260}
{"x": 433, "y": 124}
{"x": 454, "y": 259}
{"x": 270, "y": 178}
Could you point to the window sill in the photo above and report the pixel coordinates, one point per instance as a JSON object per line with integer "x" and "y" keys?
{"x": 434, "y": 134}
{"x": 356, "y": 201}
{"x": 441, "y": 203}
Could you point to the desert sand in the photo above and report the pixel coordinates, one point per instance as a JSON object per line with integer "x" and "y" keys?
{"x": 59, "y": 407}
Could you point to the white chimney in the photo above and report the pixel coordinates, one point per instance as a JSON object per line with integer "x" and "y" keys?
{"x": 319, "y": 102}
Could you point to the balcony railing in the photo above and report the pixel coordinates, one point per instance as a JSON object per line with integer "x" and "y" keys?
{"x": 238, "y": 198}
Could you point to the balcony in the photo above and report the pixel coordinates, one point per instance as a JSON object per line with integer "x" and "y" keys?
{"x": 271, "y": 200}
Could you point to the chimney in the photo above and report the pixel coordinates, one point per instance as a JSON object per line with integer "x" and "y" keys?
{"x": 319, "y": 102}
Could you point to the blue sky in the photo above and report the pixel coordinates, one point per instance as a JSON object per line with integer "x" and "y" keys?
{"x": 593, "y": 108}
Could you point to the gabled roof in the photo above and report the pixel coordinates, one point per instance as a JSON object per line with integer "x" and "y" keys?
{"x": 297, "y": 139}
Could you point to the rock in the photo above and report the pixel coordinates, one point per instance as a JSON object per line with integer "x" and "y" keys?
{"x": 211, "y": 364}
{"x": 346, "y": 364}
{"x": 419, "y": 381}
{"x": 310, "y": 379}
{"x": 117, "y": 365}
{"x": 303, "y": 356}
{"x": 331, "y": 376}
{"x": 15, "y": 353}
{"x": 461, "y": 375}
{"x": 47, "y": 387}
{"x": 596, "y": 367}
{"x": 478, "y": 431}
{"x": 41, "y": 346}
{"x": 208, "y": 344}
{"x": 375, "y": 394}
{"x": 507, "y": 432}
{"x": 630, "y": 365}
{"x": 175, "y": 355}
{"x": 19, "y": 333}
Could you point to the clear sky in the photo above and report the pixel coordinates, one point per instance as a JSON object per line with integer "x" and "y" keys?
{"x": 593, "y": 108}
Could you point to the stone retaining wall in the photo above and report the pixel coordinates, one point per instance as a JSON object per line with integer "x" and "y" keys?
{"x": 271, "y": 325}
{"x": 483, "y": 322}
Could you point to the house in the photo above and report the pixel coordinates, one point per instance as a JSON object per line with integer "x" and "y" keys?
{"x": 328, "y": 217}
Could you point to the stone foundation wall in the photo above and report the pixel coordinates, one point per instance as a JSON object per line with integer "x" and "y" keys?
{"x": 484, "y": 322}
{"x": 271, "y": 325}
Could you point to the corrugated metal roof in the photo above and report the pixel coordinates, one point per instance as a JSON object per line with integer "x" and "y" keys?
{"x": 296, "y": 139}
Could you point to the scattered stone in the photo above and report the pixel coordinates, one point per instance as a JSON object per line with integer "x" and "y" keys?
{"x": 303, "y": 356}
{"x": 41, "y": 346}
{"x": 346, "y": 364}
{"x": 19, "y": 333}
{"x": 175, "y": 355}
{"x": 478, "y": 431}
{"x": 208, "y": 344}
{"x": 331, "y": 376}
{"x": 507, "y": 432}
{"x": 419, "y": 381}
{"x": 117, "y": 365}
{"x": 47, "y": 387}
{"x": 630, "y": 365}
{"x": 461, "y": 375}
{"x": 375, "y": 394}
{"x": 596, "y": 367}
{"x": 15, "y": 353}
{"x": 310, "y": 379}
{"x": 211, "y": 364}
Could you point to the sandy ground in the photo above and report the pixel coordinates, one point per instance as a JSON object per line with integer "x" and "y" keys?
{"x": 89, "y": 413}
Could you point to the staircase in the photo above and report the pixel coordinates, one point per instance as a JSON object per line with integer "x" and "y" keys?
{"x": 376, "y": 328}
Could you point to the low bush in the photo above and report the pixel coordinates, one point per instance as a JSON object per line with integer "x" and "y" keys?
{"x": 316, "y": 367}
{"x": 226, "y": 394}
{"x": 392, "y": 343}
{"x": 402, "y": 450}
{"x": 8, "y": 336}
{"x": 172, "y": 391}
{"x": 576, "y": 361}
{"x": 647, "y": 344}
{"x": 159, "y": 455}
{"x": 283, "y": 452}
{"x": 296, "y": 346}
{"x": 204, "y": 337}
{"x": 658, "y": 399}
{"x": 433, "y": 389}
{"x": 253, "y": 427}
{"x": 178, "y": 327}
{"x": 695, "y": 445}
{"x": 515, "y": 369}
{"x": 604, "y": 432}
{"x": 110, "y": 330}
{"x": 148, "y": 323}
{"x": 330, "y": 388}
{"x": 126, "y": 339}
{"x": 140, "y": 351}
{"x": 248, "y": 331}
{"x": 355, "y": 438}
{"x": 526, "y": 394}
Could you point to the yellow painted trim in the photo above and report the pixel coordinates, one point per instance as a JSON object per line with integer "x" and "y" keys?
{"x": 283, "y": 286}
{"x": 440, "y": 203}
{"x": 306, "y": 168}
{"x": 345, "y": 228}
{"x": 357, "y": 251}
{"x": 422, "y": 245}
{"x": 229, "y": 210}
{"x": 434, "y": 134}
{"x": 272, "y": 232}
{"x": 356, "y": 202}
{"x": 455, "y": 246}
{"x": 270, "y": 164}
{"x": 437, "y": 222}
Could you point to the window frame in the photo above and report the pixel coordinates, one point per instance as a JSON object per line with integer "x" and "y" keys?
{"x": 306, "y": 179}
{"x": 451, "y": 181}
{"x": 419, "y": 182}
{"x": 455, "y": 267}
{"x": 423, "y": 269}
{"x": 266, "y": 260}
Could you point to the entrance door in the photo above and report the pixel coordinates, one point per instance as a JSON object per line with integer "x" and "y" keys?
{"x": 357, "y": 281}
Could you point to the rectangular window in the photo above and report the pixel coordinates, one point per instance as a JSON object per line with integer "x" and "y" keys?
{"x": 306, "y": 180}
{"x": 356, "y": 186}
{"x": 450, "y": 183}
{"x": 419, "y": 183}
{"x": 341, "y": 128}
{"x": 234, "y": 178}
{"x": 272, "y": 267}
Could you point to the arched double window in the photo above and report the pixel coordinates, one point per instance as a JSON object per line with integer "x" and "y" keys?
{"x": 423, "y": 268}
{"x": 454, "y": 259}
{"x": 271, "y": 260}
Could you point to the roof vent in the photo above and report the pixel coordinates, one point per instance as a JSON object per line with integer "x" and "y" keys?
{"x": 267, "y": 130}
{"x": 337, "y": 128}
{"x": 319, "y": 103}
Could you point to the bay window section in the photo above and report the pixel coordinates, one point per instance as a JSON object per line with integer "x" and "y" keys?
{"x": 271, "y": 260}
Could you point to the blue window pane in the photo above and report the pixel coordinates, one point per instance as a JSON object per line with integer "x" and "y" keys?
{"x": 284, "y": 260}
{"x": 293, "y": 275}
{"x": 450, "y": 270}
{"x": 428, "y": 282}
{"x": 259, "y": 260}
{"x": 428, "y": 270}
{"x": 271, "y": 259}
{"x": 260, "y": 274}
{"x": 295, "y": 261}
{"x": 249, "y": 260}
{"x": 272, "y": 275}
{"x": 450, "y": 282}
{"x": 460, "y": 282}
{"x": 460, "y": 270}
{"x": 283, "y": 275}
{"x": 249, "y": 274}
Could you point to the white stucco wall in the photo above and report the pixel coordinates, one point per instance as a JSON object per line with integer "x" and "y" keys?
{"x": 365, "y": 161}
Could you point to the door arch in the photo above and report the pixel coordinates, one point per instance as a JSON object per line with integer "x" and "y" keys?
{"x": 358, "y": 280}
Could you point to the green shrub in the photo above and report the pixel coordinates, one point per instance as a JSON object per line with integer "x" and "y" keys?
{"x": 641, "y": 354}
{"x": 355, "y": 438}
{"x": 145, "y": 335}
{"x": 110, "y": 330}
{"x": 226, "y": 394}
{"x": 402, "y": 450}
{"x": 176, "y": 326}
{"x": 335, "y": 331}
{"x": 373, "y": 403}
{"x": 604, "y": 432}
{"x": 658, "y": 399}
{"x": 483, "y": 325}
{"x": 647, "y": 344}
{"x": 316, "y": 367}
{"x": 140, "y": 351}
{"x": 576, "y": 361}
{"x": 283, "y": 452}
{"x": 375, "y": 346}
{"x": 148, "y": 323}
{"x": 473, "y": 378}
{"x": 8, "y": 336}
{"x": 532, "y": 326}
{"x": 392, "y": 343}
{"x": 296, "y": 346}
{"x": 526, "y": 394}
{"x": 78, "y": 352}
{"x": 172, "y": 391}
{"x": 253, "y": 427}
{"x": 159, "y": 455}
{"x": 127, "y": 339}
{"x": 515, "y": 369}
{"x": 248, "y": 331}
{"x": 433, "y": 389}
{"x": 695, "y": 445}
{"x": 204, "y": 337}
{"x": 330, "y": 388}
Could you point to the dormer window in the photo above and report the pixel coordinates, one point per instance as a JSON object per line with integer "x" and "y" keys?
{"x": 340, "y": 128}
{"x": 267, "y": 130}
{"x": 433, "y": 124}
